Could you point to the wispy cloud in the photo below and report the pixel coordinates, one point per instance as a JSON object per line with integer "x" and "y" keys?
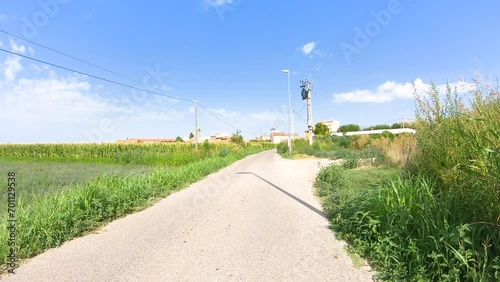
{"x": 217, "y": 3}
{"x": 220, "y": 6}
{"x": 392, "y": 90}
{"x": 308, "y": 48}
{"x": 12, "y": 66}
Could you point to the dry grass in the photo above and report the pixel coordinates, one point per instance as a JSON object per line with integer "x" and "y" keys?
{"x": 400, "y": 150}
{"x": 360, "y": 141}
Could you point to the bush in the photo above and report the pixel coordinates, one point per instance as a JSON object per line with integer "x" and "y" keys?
{"x": 282, "y": 148}
{"x": 349, "y": 128}
{"x": 351, "y": 162}
{"x": 459, "y": 147}
{"x": 378, "y": 127}
{"x": 331, "y": 183}
{"x": 342, "y": 141}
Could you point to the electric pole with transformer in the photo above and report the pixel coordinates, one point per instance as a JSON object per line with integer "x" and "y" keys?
{"x": 306, "y": 95}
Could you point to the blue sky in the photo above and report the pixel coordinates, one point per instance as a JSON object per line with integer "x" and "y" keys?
{"x": 361, "y": 57}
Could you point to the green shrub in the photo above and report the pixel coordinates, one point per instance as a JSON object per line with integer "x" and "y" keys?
{"x": 351, "y": 162}
{"x": 388, "y": 134}
{"x": 459, "y": 147}
{"x": 342, "y": 141}
{"x": 378, "y": 127}
{"x": 411, "y": 234}
{"x": 282, "y": 148}
{"x": 349, "y": 128}
{"x": 331, "y": 183}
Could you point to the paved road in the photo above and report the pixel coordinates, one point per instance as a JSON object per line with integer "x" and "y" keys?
{"x": 256, "y": 220}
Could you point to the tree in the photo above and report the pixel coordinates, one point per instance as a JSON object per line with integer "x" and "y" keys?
{"x": 378, "y": 127}
{"x": 349, "y": 127}
{"x": 397, "y": 125}
{"x": 179, "y": 139}
{"x": 237, "y": 138}
{"x": 320, "y": 129}
{"x": 191, "y": 135}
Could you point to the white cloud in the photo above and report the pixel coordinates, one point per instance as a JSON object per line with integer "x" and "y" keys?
{"x": 308, "y": 48}
{"x": 17, "y": 48}
{"x": 391, "y": 90}
{"x": 52, "y": 98}
{"x": 12, "y": 65}
{"x": 217, "y": 3}
{"x": 49, "y": 99}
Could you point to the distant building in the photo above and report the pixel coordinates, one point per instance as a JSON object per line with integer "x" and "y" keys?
{"x": 333, "y": 125}
{"x": 220, "y": 137}
{"x": 278, "y": 137}
{"x": 146, "y": 140}
{"x": 265, "y": 137}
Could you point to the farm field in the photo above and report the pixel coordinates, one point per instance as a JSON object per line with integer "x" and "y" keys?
{"x": 65, "y": 190}
{"x": 39, "y": 179}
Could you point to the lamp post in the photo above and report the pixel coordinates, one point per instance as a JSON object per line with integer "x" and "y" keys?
{"x": 289, "y": 115}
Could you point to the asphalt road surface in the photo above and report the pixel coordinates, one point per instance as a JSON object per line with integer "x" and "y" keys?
{"x": 256, "y": 220}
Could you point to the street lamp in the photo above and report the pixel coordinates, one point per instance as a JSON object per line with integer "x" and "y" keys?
{"x": 289, "y": 115}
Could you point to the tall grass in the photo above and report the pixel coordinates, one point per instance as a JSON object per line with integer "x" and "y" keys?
{"x": 39, "y": 179}
{"x": 410, "y": 233}
{"x": 442, "y": 223}
{"x": 459, "y": 147}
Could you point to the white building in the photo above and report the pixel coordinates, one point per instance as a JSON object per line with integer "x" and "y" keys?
{"x": 378, "y": 131}
{"x": 278, "y": 137}
{"x": 333, "y": 125}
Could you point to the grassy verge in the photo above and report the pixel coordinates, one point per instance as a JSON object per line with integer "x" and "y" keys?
{"x": 406, "y": 230}
{"x": 39, "y": 179}
{"x": 441, "y": 220}
{"x": 53, "y": 219}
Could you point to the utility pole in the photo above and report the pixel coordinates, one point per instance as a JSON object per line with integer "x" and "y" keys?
{"x": 196, "y": 125}
{"x": 290, "y": 143}
{"x": 306, "y": 95}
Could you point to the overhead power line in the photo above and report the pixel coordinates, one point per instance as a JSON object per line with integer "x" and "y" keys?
{"x": 214, "y": 115}
{"x": 297, "y": 114}
{"x": 118, "y": 83}
{"x": 305, "y": 104}
{"x": 70, "y": 56}
{"x": 104, "y": 69}
{"x": 94, "y": 76}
